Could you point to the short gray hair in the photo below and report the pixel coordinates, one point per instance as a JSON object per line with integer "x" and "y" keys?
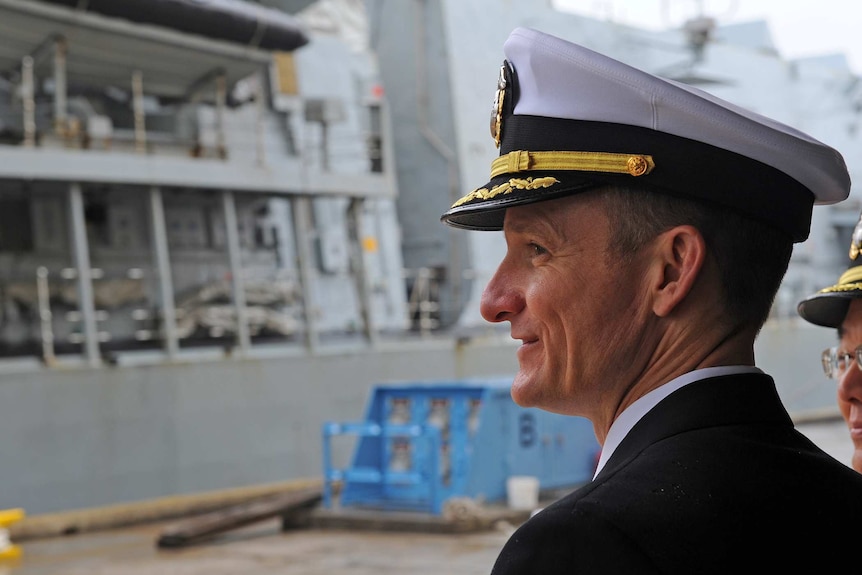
{"x": 752, "y": 257}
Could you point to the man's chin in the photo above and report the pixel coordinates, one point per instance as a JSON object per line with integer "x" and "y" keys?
{"x": 523, "y": 390}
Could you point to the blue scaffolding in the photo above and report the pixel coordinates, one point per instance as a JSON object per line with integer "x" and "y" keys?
{"x": 422, "y": 443}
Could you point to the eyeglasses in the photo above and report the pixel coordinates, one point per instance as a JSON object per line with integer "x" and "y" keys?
{"x": 836, "y": 363}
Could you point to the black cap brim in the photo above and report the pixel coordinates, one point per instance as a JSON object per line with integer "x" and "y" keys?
{"x": 489, "y": 214}
{"x": 827, "y": 310}
{"x": 829, "y": 306}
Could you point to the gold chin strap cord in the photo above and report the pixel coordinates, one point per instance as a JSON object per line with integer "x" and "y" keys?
{"x": 608, "y": 162}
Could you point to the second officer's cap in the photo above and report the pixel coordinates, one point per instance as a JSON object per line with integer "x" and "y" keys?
{"x": 829, "y": 306}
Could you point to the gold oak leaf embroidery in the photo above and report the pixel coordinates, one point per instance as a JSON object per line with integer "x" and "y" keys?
{"x": 507, "y": 187}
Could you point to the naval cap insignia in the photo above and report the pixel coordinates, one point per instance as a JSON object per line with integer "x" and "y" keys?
{"x": 856, "y": 240}
{"x": 497, "y": 108}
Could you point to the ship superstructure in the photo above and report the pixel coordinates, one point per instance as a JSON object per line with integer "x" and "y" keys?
{"x": 187, "y": 189}
{"x": 180, "y": 184}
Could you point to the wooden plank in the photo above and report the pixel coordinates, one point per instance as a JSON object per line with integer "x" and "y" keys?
{"x": 290, "y": 506}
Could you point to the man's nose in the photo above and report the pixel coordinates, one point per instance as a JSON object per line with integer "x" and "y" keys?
{"x": 850, "y": 384}
{"x": 501, "y": 298}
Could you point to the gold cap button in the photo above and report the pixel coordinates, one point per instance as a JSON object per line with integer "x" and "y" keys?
{"x": 637, "y": 165}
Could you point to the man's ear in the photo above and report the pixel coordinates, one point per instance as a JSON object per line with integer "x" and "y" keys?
{"x": 678, "y": 259}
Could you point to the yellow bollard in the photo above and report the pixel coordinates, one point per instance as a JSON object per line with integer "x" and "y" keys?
{"x": 8, "y": 517}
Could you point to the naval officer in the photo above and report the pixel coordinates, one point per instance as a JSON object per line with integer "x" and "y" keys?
{"x": 648, "y": 226}
{"x": 839, "y": 306}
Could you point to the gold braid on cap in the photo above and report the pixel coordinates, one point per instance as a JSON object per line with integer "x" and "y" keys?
{"x": 608, "y": 162}
{"x": 523, "y": 161}
{"x": 850, "y": 280}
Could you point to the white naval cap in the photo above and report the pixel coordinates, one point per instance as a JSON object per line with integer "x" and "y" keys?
{"x": 568, "y": 119}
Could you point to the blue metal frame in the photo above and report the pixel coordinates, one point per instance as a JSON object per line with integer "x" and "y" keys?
{"x": 425, "y": 442}
{"x": 380, "y": 476}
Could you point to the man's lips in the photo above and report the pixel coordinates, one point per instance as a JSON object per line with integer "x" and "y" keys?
{"x": 527, "y": 344}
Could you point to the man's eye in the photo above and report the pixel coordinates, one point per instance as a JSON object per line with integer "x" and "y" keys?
{"x": 537, "y": 249}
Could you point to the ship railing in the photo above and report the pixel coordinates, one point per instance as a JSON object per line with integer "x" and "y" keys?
{"x": 201, "y": 124}
{"x": 123, "y": 312}
{"x": 48, "y": 286}
{"x": 76, "y": 124}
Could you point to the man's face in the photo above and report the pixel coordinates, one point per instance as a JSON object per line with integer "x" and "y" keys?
{"x": 577, "y": 315}
{"x": 850, "y": 384}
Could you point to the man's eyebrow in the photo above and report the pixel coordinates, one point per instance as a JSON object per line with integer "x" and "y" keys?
{"x": 540, "y": 223}
{"x": 519, "y": 226}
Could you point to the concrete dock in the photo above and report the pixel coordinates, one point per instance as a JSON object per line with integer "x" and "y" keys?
{"x": 265, "y": 548}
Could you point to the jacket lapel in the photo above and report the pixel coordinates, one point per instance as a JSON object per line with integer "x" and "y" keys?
{"x": 717, "y": 401}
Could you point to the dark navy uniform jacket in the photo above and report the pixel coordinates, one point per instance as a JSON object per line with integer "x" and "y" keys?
{"x": 714, "y": 479}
